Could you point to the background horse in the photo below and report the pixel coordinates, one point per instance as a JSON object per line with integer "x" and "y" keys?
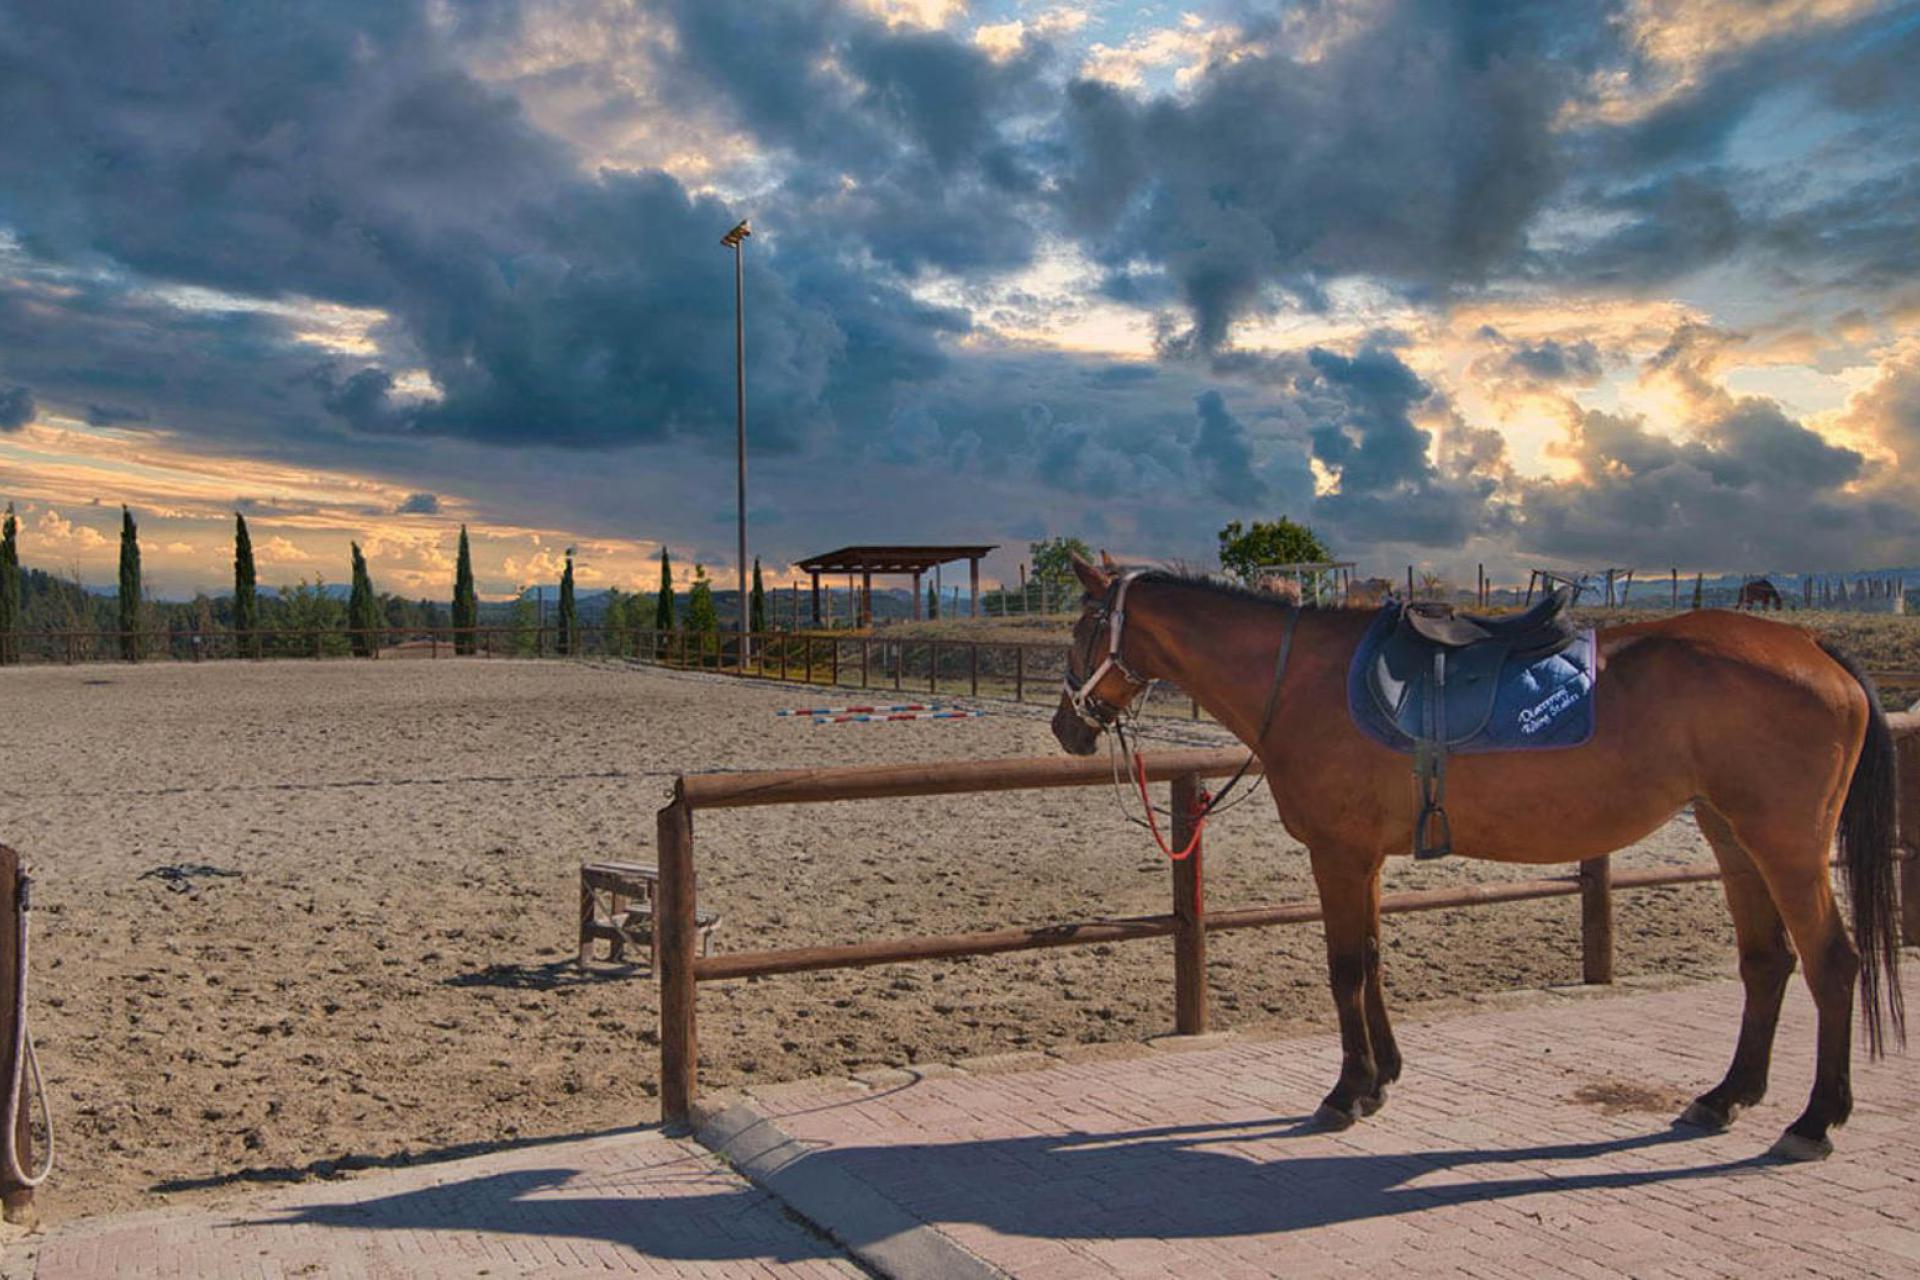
{"x": 1758, "y": 593}
{"x": 1777, "y": 742}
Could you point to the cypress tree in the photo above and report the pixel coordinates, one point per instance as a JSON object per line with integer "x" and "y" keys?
{"x": 246, "y": 596}
{"x": 663, "y": 604}
{"x": 1699, "y": 588}
{"x": 757, "y": 607}
{"x": 363, "y": 610}
{"x": 933, "y": 603}
{"x": 129, "y": 587}
{"x": 569, "y": 618}
{"x": 466, "y": 605}
{"x": 11, "y": 601}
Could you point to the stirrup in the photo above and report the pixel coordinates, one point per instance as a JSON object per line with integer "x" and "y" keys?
{"x": 1425, "y": 851}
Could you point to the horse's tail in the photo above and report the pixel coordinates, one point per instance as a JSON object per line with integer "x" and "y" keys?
{"x": 1868, "y": 836}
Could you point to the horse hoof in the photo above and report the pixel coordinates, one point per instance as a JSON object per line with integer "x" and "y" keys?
{"x": 1699, "y": 1115}
{"x": 1793, "y": 1146}
{"x": 1373, "y": 1102}
{"x": 1330, "y": 1119}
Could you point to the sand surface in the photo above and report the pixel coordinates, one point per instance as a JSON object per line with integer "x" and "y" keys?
{"x": 389, "y": 973}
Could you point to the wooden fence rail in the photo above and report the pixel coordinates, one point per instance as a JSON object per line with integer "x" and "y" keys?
{"x": 1188, "y": 923}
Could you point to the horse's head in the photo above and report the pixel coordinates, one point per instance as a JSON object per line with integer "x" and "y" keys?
{"x": 1098, "y": 685}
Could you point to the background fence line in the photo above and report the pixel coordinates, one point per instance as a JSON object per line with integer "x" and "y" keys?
{"x": 993, "y": 668}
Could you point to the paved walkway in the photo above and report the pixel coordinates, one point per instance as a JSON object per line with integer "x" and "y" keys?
{"x": 1527, "y": 1139}
{"x": 627, "y": 1204}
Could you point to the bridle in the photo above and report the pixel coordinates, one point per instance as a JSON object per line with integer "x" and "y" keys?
{"x": 1094, "y": 711}
{"x": 1102, "y": 716}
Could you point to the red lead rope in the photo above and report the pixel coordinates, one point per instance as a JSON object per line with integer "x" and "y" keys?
{"x": 1198, "y": 813}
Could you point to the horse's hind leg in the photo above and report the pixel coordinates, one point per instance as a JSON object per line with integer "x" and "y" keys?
{"x": 1766, "y": 962}
{"x": 1794, "y": 865}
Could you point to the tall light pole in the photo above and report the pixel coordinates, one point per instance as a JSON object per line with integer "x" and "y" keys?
{"x": 733, "y": 240}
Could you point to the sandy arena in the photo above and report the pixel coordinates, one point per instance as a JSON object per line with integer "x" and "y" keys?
{"x": 389, "y": 974}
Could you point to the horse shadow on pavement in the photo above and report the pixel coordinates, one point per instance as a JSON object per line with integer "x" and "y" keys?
{"x": 1168, "y": 1183}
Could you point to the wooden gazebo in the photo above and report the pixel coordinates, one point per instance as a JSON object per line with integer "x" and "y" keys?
{"x": 867, "y": 561}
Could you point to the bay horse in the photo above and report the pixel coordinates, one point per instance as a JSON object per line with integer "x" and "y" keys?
{"x": 1777, "y": 741}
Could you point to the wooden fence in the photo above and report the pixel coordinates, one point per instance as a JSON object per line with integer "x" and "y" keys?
{"x": 682, "y": 969}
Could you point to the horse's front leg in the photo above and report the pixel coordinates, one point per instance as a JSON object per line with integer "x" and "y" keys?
{"x": 1349, "y": 884}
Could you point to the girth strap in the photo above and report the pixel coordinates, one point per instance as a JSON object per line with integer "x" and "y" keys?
{"x": 1432, "y": 833}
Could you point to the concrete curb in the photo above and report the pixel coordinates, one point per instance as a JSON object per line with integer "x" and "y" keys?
{"x": 891, "y": 1241}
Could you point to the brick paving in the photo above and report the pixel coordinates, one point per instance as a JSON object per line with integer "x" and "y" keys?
{"x": 1530, "y": 1139}
{"x": 626, "y": 1204}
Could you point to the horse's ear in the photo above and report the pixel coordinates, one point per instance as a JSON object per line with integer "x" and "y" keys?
{"x": 1091, "y": 578}
{"x": 1106, "y": 561}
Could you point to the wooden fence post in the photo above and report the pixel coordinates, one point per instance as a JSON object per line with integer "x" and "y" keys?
{"x": 1596, "y": 920}
{"x": 1190, "y": 910}
{"x": 1908, "y": 791}
{"x": 16, "y": 1199}
{"x": 674, "y": 921}
{"x": 973, "y": 667}
{"x": 1019, "y": 673}
{"x": 933, "y": 666}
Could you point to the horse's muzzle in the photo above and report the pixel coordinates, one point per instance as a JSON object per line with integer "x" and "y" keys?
{"x": 1073, "y": 733}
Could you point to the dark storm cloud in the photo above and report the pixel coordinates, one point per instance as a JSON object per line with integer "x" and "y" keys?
{"x": 1225, "y": 453}
{"x": 901, "y": 142}
{"x": 1415, "y": 152}
{"x": 107, "y": 415}
{"x": 1548, "y": 362}
{"x": 419, "y": 504}
{"x": 1369, "y": 439}
{"x": 339, "y": 153}
{"x": 16, "y": 407}
{"x": 1751, "y": 486}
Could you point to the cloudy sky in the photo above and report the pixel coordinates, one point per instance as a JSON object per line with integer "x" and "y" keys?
{"x": 1629, "y": 283}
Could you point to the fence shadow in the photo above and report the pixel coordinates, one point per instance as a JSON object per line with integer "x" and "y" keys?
{"x": 681, "y": 1216}
{"x": 547, "y": 977}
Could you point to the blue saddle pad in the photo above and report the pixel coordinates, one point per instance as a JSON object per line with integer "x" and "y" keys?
{"x": 1541, "y": 704}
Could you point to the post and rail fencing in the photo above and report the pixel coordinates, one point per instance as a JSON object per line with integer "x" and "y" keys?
{"x": 1189, "y": 922}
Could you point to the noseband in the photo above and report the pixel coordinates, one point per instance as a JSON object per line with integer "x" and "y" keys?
{"x": 1094, "y": 711}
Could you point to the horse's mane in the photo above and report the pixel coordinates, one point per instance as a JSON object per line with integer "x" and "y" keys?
{"x": 1231, "y": 590}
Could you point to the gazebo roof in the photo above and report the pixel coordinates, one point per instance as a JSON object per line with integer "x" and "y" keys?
{"x": 886, "y": 559}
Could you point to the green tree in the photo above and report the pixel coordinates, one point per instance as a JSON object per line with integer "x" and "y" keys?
{"x": 363, "y": 610}
{"x": 246, "y": 591}
{"x": 757, "y": 607}
{"x": 12, "y": 602}
{"x": 1052, "y": 562}
{"x": 613, "y": 624}
{"x": 523, "y": 622}
{"x": 703, "y": 618}
{"x": 129, "y": 587}
{"x": 1244, "y": 551}
{"x": 933, "y": 603}
{"x": 313, "y": 616}
{"x": 1699, "y": 589}
{"x": 569, "y": 629}
{"x": 466, "y": 605}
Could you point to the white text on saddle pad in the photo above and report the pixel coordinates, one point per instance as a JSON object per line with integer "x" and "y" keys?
{"x": 1537, "y": 717}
